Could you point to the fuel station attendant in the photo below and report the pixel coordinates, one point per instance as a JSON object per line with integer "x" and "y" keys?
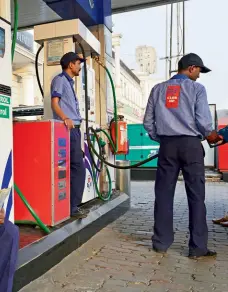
{"x": 65, "y": 107}
{"x": 9, "y": 243}
{"x": 178, "y": 116}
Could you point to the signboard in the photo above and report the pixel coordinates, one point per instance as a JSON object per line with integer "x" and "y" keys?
{"x": 25, "y": 39}
{"x": 4, "y": 112}
{"x": 90, "y": 12}
{"x": 4, "y": 109}
{"x": 2, "y": 42}
{"x": 55, "y": 51}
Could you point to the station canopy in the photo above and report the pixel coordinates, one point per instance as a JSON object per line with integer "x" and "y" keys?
{"x": 33, "y": 12}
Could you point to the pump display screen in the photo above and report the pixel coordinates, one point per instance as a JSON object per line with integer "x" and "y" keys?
{"x": 2, "y": 42}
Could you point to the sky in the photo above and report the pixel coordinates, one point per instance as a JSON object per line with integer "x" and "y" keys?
{"x": 206, "y": 35}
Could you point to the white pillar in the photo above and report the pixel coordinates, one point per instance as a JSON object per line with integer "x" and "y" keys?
{"x": 116, "y": 44}
{"x": 5, "y": 9}
{"x": 28, "y": 92}
{"x": 27, "y": 74}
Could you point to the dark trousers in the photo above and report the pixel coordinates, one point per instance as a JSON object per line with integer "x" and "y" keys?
{"x": 187, "y": 154}
{"x": 77, "y": 170}
{"x": 9, "y": 242}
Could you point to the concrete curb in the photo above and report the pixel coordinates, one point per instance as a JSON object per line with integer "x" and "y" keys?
{"x": 37, "y": 258}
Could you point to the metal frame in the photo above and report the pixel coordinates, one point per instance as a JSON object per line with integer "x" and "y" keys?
{"x": 53, "y": 173}
{"x": 148, "y": 4}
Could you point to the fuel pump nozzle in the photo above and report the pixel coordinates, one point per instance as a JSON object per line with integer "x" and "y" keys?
{"x": 223, "y": 133}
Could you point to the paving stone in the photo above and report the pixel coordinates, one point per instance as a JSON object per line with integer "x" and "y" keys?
{"x": 120, "y": 258}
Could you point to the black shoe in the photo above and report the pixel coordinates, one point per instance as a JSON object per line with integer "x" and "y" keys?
{"x": 159, "y": 250}
{"x": 208, "y": 254}
{"x": 85, "y": 211}
{"x": 79, "y": 214}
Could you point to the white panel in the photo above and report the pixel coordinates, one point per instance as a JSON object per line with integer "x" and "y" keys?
{"x": 66, "y": 29}
{"x": 6, "y": 172}
{"x": 210, "y": 152}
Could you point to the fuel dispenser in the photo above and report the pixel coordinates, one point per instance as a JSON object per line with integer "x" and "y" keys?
{"x": 56, "y": 39}
{"x": 42, "y": 170}
{"x": 42, "y": 156}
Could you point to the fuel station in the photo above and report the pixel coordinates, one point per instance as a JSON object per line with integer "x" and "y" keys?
{"x": 35, "y": 155}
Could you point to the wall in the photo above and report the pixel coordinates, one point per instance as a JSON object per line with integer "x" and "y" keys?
{"x": 130, "y": 95}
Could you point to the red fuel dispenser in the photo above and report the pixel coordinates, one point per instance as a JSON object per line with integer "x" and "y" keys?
{"x": 42, "y": 170}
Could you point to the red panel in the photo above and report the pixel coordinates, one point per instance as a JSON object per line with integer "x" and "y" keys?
{"x": 223, "y": 154}
{"x": 32, "y": 169}
{"x": 61, "y": 173}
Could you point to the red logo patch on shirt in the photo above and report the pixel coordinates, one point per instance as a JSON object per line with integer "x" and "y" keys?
{"x": 172, "y": 96}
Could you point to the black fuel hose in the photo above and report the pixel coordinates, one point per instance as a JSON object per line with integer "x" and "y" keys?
{"x": 90, "y": 144}
{"x": 37, "y": 71}
{"x": 88, "y": 129}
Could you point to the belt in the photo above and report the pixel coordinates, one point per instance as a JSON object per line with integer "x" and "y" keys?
{"x": 77, "y": 126}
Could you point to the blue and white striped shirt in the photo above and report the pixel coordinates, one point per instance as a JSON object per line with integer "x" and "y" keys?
{"x": 62, "y": 86}
{"x": 191, "y": 117}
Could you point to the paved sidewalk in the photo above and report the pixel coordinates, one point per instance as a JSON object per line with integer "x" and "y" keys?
{"x": 119, "y": 258}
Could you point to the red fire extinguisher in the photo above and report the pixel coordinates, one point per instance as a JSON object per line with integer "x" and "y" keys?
{"x": 122, "y": 135}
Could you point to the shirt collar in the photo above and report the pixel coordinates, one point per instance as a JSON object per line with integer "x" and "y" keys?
{"x": 68, "y": 77}
{"x": 180, "y": 76}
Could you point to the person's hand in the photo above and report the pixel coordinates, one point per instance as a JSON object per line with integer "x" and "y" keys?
{"x": 214, "y": 138}
{"x": 2, "y": 216}
{"x": 69, "y": 124}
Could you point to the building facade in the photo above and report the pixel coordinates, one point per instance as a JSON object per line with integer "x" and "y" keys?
{"x": 128, "y": 87}
{"x": 146, "y": 59}
{"x": 132, "y": 87}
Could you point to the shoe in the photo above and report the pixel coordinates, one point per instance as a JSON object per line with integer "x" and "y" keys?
{"x": 224, "y": 224}
{"x": 159, "y": 250}
{"x": 78, "y": 214}
{"x": 85, "y": 211}
{"x": 208, "y": 254}
{"x": 221, "y": 220}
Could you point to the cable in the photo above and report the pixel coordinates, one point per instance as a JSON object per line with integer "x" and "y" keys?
{"x": 90, "y": 144}
{"x": 121, "y": 167}
{"x": 37, "y": 71}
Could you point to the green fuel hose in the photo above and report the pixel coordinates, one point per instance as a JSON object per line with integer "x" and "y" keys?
{"x": 39, "y": 222}
{"x": 114, "y": 146}
{"x": 15, "y": 29}
{"x": 102, "y": 196}
{"x": 109, "y": 193}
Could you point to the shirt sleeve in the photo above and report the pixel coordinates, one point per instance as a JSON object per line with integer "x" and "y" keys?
{"x": 57, "y": 87}
{"x": 149, "y": 118}
{"x": 203, "y": 116}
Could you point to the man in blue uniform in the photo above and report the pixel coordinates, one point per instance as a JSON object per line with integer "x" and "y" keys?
{"x": 178, "y": 116}
{"x": 9, "y": 245}
{"x": 65, "y": 107}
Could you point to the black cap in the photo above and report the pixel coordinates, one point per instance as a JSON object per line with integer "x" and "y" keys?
{"x": 70, "y": 57}
{"x": 192, "y": 60}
